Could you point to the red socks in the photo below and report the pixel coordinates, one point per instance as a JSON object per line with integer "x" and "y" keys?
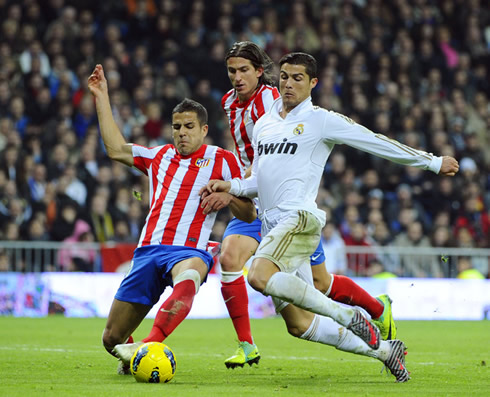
{"x": 236, "y": 300}
{"x": 173, "y": 311}
{"x": 345, "y": 290}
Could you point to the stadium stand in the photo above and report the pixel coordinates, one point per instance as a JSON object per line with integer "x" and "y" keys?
{"x": 416, "y": 71}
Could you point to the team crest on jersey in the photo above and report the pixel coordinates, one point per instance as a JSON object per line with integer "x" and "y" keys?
{"x": 299, "y": 129}
{"x": 246, "y": 115}
{"x": 201, "y": 163}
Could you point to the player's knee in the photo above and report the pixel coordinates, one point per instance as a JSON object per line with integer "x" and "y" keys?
{"x": 257, "y": 281}
{"x": 322, "y": 285}
{"x": 230, "y": 261}
{"x": 296, "y": 330}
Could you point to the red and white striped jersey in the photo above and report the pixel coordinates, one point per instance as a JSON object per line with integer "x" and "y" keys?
{"x": 175, "y": 216}
{"x": 242, "y": 118}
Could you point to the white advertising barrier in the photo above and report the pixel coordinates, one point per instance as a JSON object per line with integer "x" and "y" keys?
{"x": 91, "y": 294}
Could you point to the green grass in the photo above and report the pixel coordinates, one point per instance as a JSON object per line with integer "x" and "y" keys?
{"x": 57, "y": 356}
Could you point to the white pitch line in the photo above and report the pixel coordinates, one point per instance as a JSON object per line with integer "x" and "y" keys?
{"x": 293, "y": 358}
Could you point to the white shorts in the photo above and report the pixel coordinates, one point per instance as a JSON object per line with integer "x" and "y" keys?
{"x": 289, "y": 238}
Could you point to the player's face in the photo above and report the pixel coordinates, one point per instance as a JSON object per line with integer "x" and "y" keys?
{"x": 243, "y": 76}
{"x": 188, "y": 133}
{"x": 295, "y": 85}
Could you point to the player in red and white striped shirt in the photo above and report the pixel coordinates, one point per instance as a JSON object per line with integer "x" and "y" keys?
{"x": 172, "y": 246}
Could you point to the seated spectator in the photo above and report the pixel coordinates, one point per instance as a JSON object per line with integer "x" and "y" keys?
{"x": 334, "y": 248}
{"x": 100, "y": 219}
{"x": 75, "y": 258}
{"x": 466, "y": 270}
{"x": 67, "y": 213}
{"x": 417, "y": 265}
{"x": 358, "y": 263}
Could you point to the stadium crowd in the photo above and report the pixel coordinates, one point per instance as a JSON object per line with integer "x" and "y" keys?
{"x": 417, "y": 71}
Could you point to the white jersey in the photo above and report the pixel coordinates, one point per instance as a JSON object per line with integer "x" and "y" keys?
{"x": 175, "y": 216}
{"x": 290, "y": 155}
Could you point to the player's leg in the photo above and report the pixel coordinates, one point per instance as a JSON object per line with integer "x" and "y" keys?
{"x": 345, "y": 290}
{"x": 236, "y": 251}
{"x": 239, "y": 244}
{"x": 154, "y": 268}
{"x": 123, "y": 319}
{"x": 284, "y": 250}
{"x": 312, "y": 327}
{"x": 187, "y": 276}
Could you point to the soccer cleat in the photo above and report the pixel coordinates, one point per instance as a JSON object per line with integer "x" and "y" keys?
{"x": 125, "y": 351}
{"x": 385, "y": 322}
{"x": 123, "y": 369}
{"x": 396, "y": 361}
{"x": 245, "y": 354}
{"x": 369, "y": 333}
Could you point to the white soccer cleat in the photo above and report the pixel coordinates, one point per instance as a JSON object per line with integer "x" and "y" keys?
{"x": 396, "y": 361}
{"x": 123, "y": 369}
{"x": 125, "y": 351}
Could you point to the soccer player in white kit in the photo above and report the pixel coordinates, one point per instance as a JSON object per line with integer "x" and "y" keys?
{"x": 172, "y": 247}
{"x": 292, "y": 143}
{"x": 250, "y": 72}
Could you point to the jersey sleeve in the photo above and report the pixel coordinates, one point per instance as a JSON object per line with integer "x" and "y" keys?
{"x": 231, "y": 167}
{"x": 340, "y": 129}
{"x": 143, "y": 157}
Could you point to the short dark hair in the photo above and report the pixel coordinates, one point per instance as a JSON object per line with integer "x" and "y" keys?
{"x": 257, "y": 56}
{"x": 188, "y": 105}
{"x": 301, "y": 58}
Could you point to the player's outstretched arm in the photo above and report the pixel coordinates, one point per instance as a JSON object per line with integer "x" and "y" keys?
{"x": 449, "y": 167}
{"x": 115, "y": 144}
{"x": 242, "y": 208}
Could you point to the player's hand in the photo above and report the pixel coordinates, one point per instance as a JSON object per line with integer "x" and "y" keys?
{"x": 215, "y": 201}
{"x": 215, "y": 185}
{"x": 449, "y": 167}
{"x": 97, "y": 83}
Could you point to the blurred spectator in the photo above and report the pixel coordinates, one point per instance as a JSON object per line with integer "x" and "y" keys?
{"x": 466, "y": 270}
{"x": 77, "y": 258}
{"x": 358, "y": 264}
{"x": 414, "y": 265}
{"x": 475, "y": 220}
{"x": 334, "y": 248}
{"x": 101, "y": 221}
{"x": 64, "y": 223}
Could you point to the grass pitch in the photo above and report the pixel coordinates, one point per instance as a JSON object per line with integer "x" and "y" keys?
{"x": 57, "y": 356}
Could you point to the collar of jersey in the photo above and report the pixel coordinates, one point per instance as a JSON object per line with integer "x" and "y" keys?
{"x": 198, "y": 153}
{"x": 237, "y": 104}
{"x": 297, "y": 111}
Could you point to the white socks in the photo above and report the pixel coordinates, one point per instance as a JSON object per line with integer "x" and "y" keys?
{"x": 189, "y": 274}
{"x": 229, "y": 277}
{"x": 294, "y": 290}
{"x": 327, "y": 331}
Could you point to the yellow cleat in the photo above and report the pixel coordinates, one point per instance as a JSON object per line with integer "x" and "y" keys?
{"x": 385, "y": 322}
{"x": 245, "y": 354}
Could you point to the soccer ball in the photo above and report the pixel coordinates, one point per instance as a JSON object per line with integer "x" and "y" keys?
{"x": 153, "y": 362}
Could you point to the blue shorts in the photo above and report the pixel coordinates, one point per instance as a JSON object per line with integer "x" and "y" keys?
{"x": 149, "y": 274}
{"x": 236, "y": 226}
